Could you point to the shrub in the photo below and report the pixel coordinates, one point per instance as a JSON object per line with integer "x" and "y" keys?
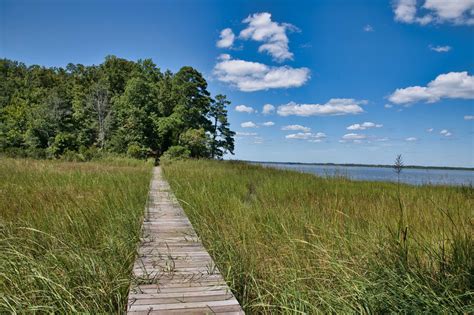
{"x": 176, "y": 152}
{"x": 14, "y": 152}
{"x": 72, "y": 156}
{"x": 197, "y": 141}
{"x": 36, "y": 153}
{"x": 92, "y": 153}
{"x": 136, "y": 151}
{"x": 62, "y": 142}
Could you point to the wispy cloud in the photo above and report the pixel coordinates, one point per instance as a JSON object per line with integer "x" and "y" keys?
{"x": 248, "y": 124}
{"x": 353, "y": 136}
{"x": 306, "y": 136}
{"x": 445, "y": 133}
{"x": 268, "y": 124}
{"x": 440, "y": 49}
{"x": 335, "y": 106}
{"x": 358, "y": 138}
{"x": 296, "y": 128}
{"x": 411, "y": 139}
{"x": 245, "y": 134}
{"x": 257, "y": 140}
{"x": 468, "y": 117}
{"x": 368, "y": 28}
{"x": 364, "y": 126}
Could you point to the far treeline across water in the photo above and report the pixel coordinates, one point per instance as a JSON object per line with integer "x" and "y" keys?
{"x": 119, "y": 106}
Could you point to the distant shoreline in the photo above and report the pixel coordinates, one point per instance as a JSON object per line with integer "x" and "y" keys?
{"x": 365, "y": 165}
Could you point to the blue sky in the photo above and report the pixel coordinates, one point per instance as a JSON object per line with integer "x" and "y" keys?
{"x": 348, "y": 81}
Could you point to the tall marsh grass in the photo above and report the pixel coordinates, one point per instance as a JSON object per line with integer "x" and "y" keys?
{"x": 289, "y": 242}
{"x": 68, "y": 233}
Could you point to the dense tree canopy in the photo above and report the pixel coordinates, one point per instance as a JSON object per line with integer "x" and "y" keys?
{"x": 118, "y": 106}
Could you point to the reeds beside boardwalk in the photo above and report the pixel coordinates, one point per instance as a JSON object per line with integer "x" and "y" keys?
{"x": 297, "y": 243}
{"x": 68, "y": 233}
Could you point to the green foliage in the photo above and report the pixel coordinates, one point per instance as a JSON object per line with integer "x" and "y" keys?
{"x": 222, "y": 136}
{"x": 62, "y": 142}
{"x": 295, "y": 243}
{"x": 119, "y": 106}
{"x": 136, "y": 151}
{"x": 176, "y": 152}
{"x": 196, "y": 141}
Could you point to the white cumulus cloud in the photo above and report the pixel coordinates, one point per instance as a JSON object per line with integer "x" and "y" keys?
{"x": 405, "y": 11}
{"x": 335, "y": 106}
{"x": 296, "y": 127}
{"x": 227, "y": 38}
{"x": 457, "y": 12}
{"x": 268, "y": 124}
{"x": 244, "y": 109}
{"x": 250, "y": 76}
{"x": 456, "y": 85}
{"x": 261, "y": 28}
{"x": 248, "y": 124}
{"x": 430, "y": 129}
{"x": 365, "y": 125}
{"x": 468, "y": 117}
{"x": 411, "y": 139}
{"x": 268, "y": 109}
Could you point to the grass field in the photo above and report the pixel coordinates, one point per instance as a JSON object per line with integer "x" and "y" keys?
{"x": 68, "y": 233}
{"x": 290, "y": 242}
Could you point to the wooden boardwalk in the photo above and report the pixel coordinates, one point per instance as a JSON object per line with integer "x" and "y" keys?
{"x": 173, "y": 273}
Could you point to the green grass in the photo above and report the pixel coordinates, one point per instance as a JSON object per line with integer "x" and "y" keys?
{"x": 289, "y": 242}
{"x": 68, "y": 233}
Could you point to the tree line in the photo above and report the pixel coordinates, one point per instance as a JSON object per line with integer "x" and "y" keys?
{"x": 119, "y": 106}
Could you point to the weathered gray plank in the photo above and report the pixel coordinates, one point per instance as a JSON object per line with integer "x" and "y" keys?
{"x": 184, "y": 306}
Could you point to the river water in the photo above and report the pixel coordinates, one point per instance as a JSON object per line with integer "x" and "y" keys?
{"x": 414, "y": 176}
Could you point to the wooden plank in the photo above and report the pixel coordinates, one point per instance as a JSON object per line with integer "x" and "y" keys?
{"x": 194, "y": 287}
{"x": 169, "y": 295}
{"x": 194, "y": 311}
{"x": 215, "y": 284}
{"x": 173, "y": 272}
{"x": 184, "y": 306}
{"x": 184, "y": 298}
